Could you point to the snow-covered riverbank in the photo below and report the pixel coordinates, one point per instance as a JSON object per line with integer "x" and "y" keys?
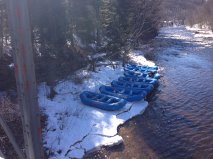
{"x": 177, "y": 123}
{"x": 73, "y": 128}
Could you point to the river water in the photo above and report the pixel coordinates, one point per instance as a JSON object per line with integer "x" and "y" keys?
{"x": 178, "y": 124}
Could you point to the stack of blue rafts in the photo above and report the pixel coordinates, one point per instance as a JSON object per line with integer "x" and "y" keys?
{"x": 137, "y": 82}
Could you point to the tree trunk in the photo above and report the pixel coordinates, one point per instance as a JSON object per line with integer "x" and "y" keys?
{"x": 71, "y": 21}
{"x": 98, "y": 37}
{"x": 1, "y": 31}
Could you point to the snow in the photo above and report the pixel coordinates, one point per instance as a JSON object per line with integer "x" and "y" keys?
{"x": 98, "y": 55}
{"x": 176, "y": 32}
{"x": 192, "y": 35}
{"x": 137, "y": 57}
{"x": 73, "y": 128}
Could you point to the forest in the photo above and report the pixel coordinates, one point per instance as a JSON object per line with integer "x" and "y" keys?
{"x": 66, "y": 32}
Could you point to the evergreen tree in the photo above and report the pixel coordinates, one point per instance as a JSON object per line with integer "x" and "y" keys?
{"x": 4, "y": 32}
{"x": 84, "y": 20}
{"x": 109, "y": 23}
{"x": 51, "y": 25}
{"x": 1, "y": 29}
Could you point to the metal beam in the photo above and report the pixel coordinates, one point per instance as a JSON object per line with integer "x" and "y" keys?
{"x": 20, "y": 28}
{"x": 11, "y": 138}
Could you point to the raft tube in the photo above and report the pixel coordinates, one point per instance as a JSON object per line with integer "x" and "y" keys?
{"x": 102, "y": 101}
{"x": 152, "y": 81}
{"x": 133, "y": 85}
{"x": 130, "y": 95}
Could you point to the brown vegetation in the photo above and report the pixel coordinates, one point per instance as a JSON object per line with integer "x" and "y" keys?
{"x": 7, "y": 78}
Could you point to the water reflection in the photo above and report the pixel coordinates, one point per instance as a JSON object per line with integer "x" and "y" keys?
{"x": 178, "y": 123}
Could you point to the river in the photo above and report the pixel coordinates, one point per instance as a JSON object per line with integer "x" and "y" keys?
{"x": 178, "y": 124}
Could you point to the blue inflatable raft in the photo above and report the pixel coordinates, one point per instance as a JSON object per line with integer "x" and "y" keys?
{"x": 102, "y": 101}
{"x": 135, "y": 74}
{"x": 141, "y": 68}
{"x": 152, "y": 81}
{"x": 138, "y": 74}
{"x": 148, "y": 74}
{"x": 133, "y": 85}
{"x": 157, "y": 76}
{"x": 150, "y": 71}
{"x": 130, "y": 95}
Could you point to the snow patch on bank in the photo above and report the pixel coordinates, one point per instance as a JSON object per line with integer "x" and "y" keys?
{"x": 176, "y": 32}
{"x": 73, "y": 128}
{"x": 201, "y": 37}
{"x": 138, "y": 57}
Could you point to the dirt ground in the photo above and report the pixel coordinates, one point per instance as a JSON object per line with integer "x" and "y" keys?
{"x": 11, "y": 114}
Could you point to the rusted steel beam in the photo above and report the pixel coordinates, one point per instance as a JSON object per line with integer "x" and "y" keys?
{"x": 20, "y": 28}
{"x": 11, "y": 138}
